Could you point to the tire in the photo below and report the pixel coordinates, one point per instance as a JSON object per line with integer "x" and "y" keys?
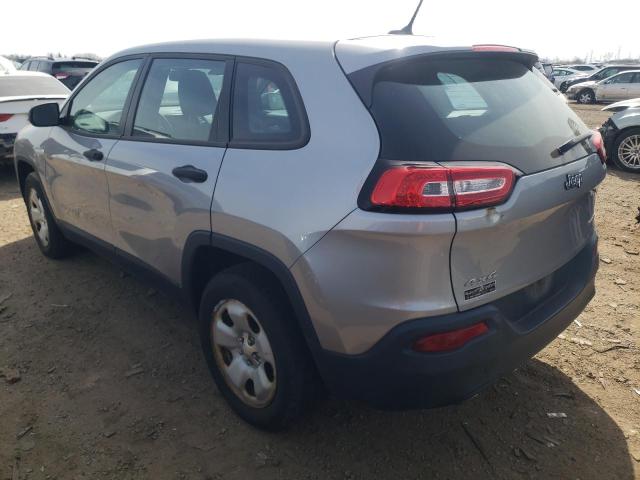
{"x": 49, "y": 238}
{"x": 586, "y": 96}
{"x": 284, "y": 390}
{"x": 626, "y": 151}
{"x": 563, "y": 87}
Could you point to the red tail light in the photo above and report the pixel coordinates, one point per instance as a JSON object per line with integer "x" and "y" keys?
{"x": 494, "y": 48}
{"x": 446, "y": 341}
{"x": 598, "y": 142}
{"x": 443, "y": 188}
{"x": 61, "y": 76}
{"x": 5, "y": 116}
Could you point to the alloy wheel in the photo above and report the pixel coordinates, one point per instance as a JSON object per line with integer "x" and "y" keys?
{"x": 629, "y": 152}
{"x": 38, "y": 217}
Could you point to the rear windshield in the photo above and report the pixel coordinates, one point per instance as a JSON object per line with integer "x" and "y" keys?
{"x": 471, "y": 109}
{"x": 73, "y": 66}
{"x": 18, "y": 85}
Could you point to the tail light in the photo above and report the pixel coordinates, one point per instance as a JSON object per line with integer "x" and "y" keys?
{"x": 442, "y": 188}
{"x": 61, "y": 76}
{"x": 598, "y": 142}
{"x": 5, "y": 116}
{"x": 446, "y": 341}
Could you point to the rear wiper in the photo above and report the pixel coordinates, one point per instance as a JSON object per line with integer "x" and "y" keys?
{"x": 565, "y": 147}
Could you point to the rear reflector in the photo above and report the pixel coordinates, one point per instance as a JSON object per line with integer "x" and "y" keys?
{"x": 446, "y": 341}
{"x": 494, "y": 48}
{"x": 5, "y": 116}
{"x": 598, "y": 142}
{"x": 443, "y": 188}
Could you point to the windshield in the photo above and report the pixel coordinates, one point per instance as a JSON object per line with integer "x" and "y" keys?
{"x": 470, "y": 109}
{"x": 19, "y": 85}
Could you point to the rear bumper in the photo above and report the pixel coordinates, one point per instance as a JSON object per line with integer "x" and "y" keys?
{"x": 392, "y": 375}
{"x": 6, "y": 145}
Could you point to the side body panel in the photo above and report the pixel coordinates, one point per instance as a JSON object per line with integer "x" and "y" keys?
{"x": 284, "y": 201}
{"x": 374, "y": 271}
{"x": 78, "y": 186}
{"x": 152, "y": 211}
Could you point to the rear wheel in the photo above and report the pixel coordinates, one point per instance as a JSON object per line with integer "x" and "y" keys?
{"x": 256, "y": 355}
{"x": 626, "y": 151}
{"x": 563, "y": 87}
{"x": 586, "y": 96}
{"x": 49, "y": 238}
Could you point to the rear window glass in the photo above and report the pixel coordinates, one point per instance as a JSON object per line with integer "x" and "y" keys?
{"x": 468, "y": 109}
{"x": 17, "y": 85}
{"x": 73, "y": 66}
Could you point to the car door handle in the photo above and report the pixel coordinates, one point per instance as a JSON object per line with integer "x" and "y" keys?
{"x": 93, "y": 155}
{"x": 189, "y": 173}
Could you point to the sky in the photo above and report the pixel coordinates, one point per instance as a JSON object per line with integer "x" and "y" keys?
{"x": 563, "y": 29}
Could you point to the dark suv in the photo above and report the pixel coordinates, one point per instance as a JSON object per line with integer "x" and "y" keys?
{"x": 68, "y": 71}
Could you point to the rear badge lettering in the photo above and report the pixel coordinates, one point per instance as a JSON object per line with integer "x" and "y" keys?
{"x": 481, "y": 290}
{"x": 574, "y": 180}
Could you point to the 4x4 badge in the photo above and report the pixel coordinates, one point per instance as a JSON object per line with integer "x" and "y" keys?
{"x": 574, "y": 180}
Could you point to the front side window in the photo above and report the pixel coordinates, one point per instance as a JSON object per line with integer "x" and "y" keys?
{"x": 266, "y": 109}
{"x": 179, "y": 100}
{"x": 99, "y": 105}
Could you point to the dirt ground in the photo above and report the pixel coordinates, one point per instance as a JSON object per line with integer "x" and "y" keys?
{"x": 112, "y": 384}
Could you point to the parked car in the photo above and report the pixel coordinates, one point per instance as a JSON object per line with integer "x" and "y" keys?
{"x": 562, "y": 77}
{"x": 621, "y": 133}
{"x": 602, "y": 74}
{"x": 6, "y": 66}
{"x": 19, "y": 92}
{"x": 69, "y": 71}
{"x": 623, "y": 105}
{"x": 405, "y": 239}
{"x": 621, "y": 86}
{"x": 587, "y": 68}
{"x": 546, "y": 69}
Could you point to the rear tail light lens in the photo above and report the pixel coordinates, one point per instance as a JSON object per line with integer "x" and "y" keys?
{"x": 61, "y": 76}
{"x": 598, "y": 142}
{"x": 447, "y": 341}
{"x": 443, "y": 188}
{"x": 5, "y": 116}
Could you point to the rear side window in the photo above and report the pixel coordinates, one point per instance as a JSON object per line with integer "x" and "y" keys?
{"x": 469, "y": 109}
{"x": 179, "y": 100}
{"x": 97, "y": 108}
{"x": 267, "y": 109}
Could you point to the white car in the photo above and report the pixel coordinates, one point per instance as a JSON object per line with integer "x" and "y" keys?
{"x": 6, "y": 66}
{"x": 19, "y": 93}
{"x": 623, "y": 105}
{"x": 621, "y": 86}
{"x": 564, "y": 75}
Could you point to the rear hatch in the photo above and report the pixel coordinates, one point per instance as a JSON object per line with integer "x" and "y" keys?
{"x": 481, "y": 109}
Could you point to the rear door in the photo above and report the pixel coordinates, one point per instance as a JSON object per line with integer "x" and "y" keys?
{"x": 161, "y": 176}
{"x": 76, "y": 150}
{"x": 615, "y": 88}
{"x": 482, "y": 110}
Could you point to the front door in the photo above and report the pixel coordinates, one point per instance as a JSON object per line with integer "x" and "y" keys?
{"x": 162, "y": 174}
{"x": 76, "y": 151}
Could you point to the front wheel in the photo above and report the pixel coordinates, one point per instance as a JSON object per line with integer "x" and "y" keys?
{"x": 586, "y": 96}
{"x": 626, "y": 151}
{"x": 563, "y": 87}
{"x": 49, "y": 238}
{"x": 256, "y": 355}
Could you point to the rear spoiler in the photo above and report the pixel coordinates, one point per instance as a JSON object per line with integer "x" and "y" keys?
{"x": 20, "y": 98}
{"x": 364, "y": 79}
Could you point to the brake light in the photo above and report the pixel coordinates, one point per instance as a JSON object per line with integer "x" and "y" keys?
{"x": 446, "y": 341}
{"x": 598, "y": 142}
{"x": 443, "y": 188}
{"x": 5, "y": 116}
{"x": 61, "y": 76}
{"x": 494, "y": 48}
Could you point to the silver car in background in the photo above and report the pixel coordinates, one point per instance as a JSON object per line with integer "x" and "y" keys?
{"x": 621, "y": 86}
{"x": 399, "y": 222}
{"x": 621, "y": 133}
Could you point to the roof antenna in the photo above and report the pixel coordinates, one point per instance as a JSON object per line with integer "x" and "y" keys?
{"x": 408, "y": 28}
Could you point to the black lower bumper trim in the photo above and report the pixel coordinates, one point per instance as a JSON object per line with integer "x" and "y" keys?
{"x": 392, "y": 375}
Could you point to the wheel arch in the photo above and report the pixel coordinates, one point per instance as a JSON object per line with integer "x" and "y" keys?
{"x": 23, "y": 168}
{"x": 208, "y": 253}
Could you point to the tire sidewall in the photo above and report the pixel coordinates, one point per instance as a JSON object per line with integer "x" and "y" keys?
{"x": 32, "y": 183}
{"x": 617, "y": 162}
{"x": 593, "y": 97}
{"x": 273, "y": 320}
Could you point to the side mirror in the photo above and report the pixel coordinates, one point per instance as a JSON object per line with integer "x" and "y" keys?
{"x": 45, "y": 115}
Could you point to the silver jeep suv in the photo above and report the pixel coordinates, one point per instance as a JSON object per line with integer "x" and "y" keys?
{"x": 397, "y": 222}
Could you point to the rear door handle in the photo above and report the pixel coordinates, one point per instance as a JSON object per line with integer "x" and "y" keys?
{"x": 189, "y": 173}
{"x": 93, "y": 155}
